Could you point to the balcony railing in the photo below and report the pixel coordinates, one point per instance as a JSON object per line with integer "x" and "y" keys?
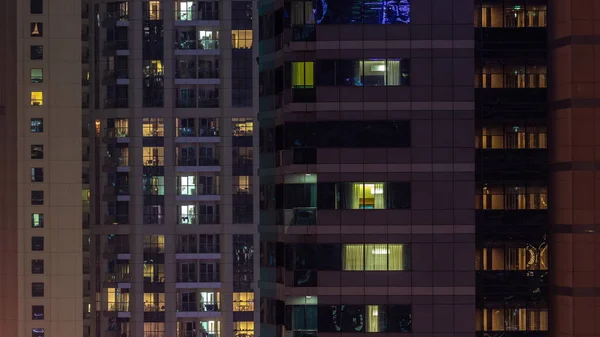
{"x": 198, "y": 307}
{"x": 118, "y": 306}
{"x": 201, "y": 277}
{"x": 116, "y": 248}
{"x": 193, "y": 161}
{"x": 201, "y": 219}
{"x": 196, "y": 73}
{"x": 192, "y": 15}
{"x": 117, "y": 278}
{"x": 115, "y": 103}
{"x": 115, "y": 45}
{"x": 193, "y": 248}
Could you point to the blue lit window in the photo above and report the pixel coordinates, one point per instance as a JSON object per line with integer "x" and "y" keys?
{"x": 382, "y": 12}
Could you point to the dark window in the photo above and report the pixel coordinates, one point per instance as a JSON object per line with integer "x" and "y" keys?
{"x": 334, "y": 257}
{"x": 36, "y": 29}
{"x": 37, "y": 312}
{"x": 301, "y": 317}
{"x": 36, "y": 52}
{"x": 37, "y": 289}
{"x": 37, "y": 197}
{"x": 243, "y": 262}
{"x": 344, "y": 318}
{"x": 37, "y": 266}
{"x": 37, "y": 125}
{"x": 243, "y": 213}
{"x": 344, "y": 134}
{"x": 37, "y": 151}
{"x": 37, "y": 175}
{"x": 37, "y": 220}
{"x": 37, "y": 243}
{"x": 242, "y": 77}
{"x": 38, "y": 332}
{"x": 36, "y": 6}
{"x": 399, "y": 318}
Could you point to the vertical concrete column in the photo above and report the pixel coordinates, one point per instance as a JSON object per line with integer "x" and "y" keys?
{"x": 574, "y": 164}
{"x": 169, "y": 57}
{"x": 135, "y": 32}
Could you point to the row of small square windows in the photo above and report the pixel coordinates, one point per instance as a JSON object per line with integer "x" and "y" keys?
{"x": 37, "y": 174}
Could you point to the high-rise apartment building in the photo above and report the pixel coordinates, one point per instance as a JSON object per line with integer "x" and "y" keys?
{"x": 511, "y": 167}
{"x": 40, "y": 169}
{"x": 367, "y": 120}
{"x": 172, "y": 168}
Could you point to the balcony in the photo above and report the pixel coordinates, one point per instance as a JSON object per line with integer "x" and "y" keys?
{"x": 202, "y": 161}
{"x": 116, "y": 103}
{"x": 301, "y": 216}
{"x": 115, "y": 76}
{"x": 117, "y": 278}
{"x": 116, "y": 219}
{"x": 116, "y": 132}
{"x": 193, "y": 248}
{"x": 115, "y": 18}
{"x": 118, "y": 306}
{"x": 200, "y": 219}
{"x": 198, "y": 278}
{"x": 192, "y": 15}
{"x": 112, "y": 249}
{"x": 115, "y": 48}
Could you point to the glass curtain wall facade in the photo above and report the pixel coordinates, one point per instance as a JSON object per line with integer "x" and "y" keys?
{"x": 512, "y": 258}
{"x": 173, "y": 156}
{"x": 367, "y": 167}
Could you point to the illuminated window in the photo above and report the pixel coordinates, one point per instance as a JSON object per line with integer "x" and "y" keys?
{"x": 243, "y": 329}
{"x": 153, "y": 127}
{"x": 512, "y": 197}
{"x": 154, "y": 301}
{"x": 187, "y": 214}
{"x": 241, "y": 185}
{"x": 37, "y": 220}
{"x": 372, "y": 257}
{"x": 154, "y": 329}
{"x": 513, "y": 258}
{"x": 186, "y": 185}
{"x": 243, "y": 301}
{"x": 37, "y": 125}
{"x": 210, "y": 301}
{"x": 37, "y": 98}
{"x": 303, "y": 75}
{"x": 153, "y": 68}
{"x": 365, "y": 196}
{"x": 153, "y": 185}
{"x": 208, "y": 39}
{"x": 376, "y": 318}
{"x": 154, "y": 244}
{"x": 117, "y": 299}
{"x": 514, "y": 319}
{"x": 152, "y": 10}
{"x": 36, "y": 75}
{"x": 185, "y": 11}
{"x": 241, "y": 39}
{"x": 242, "y": 126}
{"x": 154, "y": 272}
{"x": 154, "y": 156}
{"x": 37, "y": 29}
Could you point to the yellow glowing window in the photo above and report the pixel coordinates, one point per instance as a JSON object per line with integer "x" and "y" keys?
{"x": 245, "y": 329}
{"x": 366, "y": 196}
{"x": 241, "y": 39}
{"x": 37, "y": 98}
{"x": 373, "y": 318}
{"x": 372, "y": 257}
{"x": 243, "y": 301}
{"x": 303, "y": 75}
{"x": 154, "y": 8}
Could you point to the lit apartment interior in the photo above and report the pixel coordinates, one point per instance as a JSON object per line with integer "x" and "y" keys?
{"x": 515, "y": 15}
{"x": 512, "y": 198}
{"x": 512, "y": 137}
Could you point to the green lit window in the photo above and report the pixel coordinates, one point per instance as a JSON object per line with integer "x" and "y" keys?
{"x": 303, "y": 75}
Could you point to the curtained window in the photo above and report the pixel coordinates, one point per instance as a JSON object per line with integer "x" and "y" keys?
{"x": 354, "y": 257}
{"x": 375, "y": 256}
{"x": 365, "y": 196}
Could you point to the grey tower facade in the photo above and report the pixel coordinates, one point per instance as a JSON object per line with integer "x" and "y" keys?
{"x": 173, "y": 226}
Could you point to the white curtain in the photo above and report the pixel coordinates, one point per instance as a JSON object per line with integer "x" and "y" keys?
{"x": 376, "y": 256}
{"x": 379, "y": 195}
{"x": 354, "y": 255}
{"x": 393, "y": 72}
